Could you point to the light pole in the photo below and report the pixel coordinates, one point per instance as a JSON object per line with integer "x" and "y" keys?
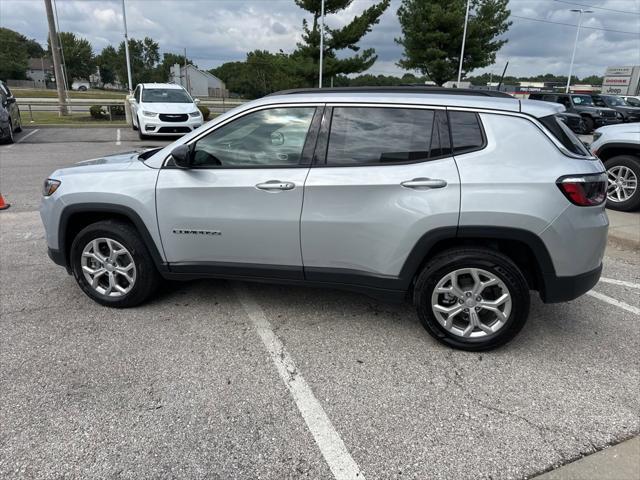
{"x": 464, "y": 37}
{"x": 321, "y": 41}
{"x": 575, "y": 45}
{"x": 126, "y": 47}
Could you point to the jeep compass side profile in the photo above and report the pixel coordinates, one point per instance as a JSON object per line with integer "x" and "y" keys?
{"x": 462, "y": 201}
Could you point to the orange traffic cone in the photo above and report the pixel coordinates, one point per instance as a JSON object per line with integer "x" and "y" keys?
{"x": 3, "y": 204}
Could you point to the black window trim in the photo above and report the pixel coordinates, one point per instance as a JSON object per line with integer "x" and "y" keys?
{"x": 320, "y": 155}
{"x": 482, "y": 133}
{"x": 306, "y": 158}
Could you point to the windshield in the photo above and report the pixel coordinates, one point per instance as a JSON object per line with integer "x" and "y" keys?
{"x": 165, "y": 95}
{"x": 634, "y": 102}
{"x": 614, "y": 101}
{"x": 582, "y": 100}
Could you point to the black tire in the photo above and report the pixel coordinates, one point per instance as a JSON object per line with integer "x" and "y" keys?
{"x": 133, "y": 124}
{"x": 491, "y": 261}
{"x": 633, "y": 163}
{"x": 147, "y": 277}
{"x": 19, "y": 126}
{"x": 141, "y": 135}
{"x": 589, "y": 124}
{"x": 10, "y": 138}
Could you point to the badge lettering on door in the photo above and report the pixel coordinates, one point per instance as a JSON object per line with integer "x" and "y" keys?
{"x": 189, "y": 231}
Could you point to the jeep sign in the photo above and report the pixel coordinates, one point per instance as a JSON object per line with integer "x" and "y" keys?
{"x": 621, "y": 80}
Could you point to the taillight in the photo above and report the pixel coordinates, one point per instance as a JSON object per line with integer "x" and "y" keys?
{"x": 584, "y": 190}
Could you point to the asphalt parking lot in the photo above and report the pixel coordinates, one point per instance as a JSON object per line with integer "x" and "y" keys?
{"x": 216, "y": 379}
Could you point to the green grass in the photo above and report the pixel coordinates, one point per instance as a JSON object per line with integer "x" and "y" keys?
{"x": 77, "y": 119}
{"x": 89, "y": 94}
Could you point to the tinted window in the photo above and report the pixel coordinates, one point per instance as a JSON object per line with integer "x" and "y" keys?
{"x": 379, "y": 135}
{"x": 466, "y": 133}
{"x": 165, "y": 95}
{"x": 564, "y": 134}
{"x": 267, "y": 138}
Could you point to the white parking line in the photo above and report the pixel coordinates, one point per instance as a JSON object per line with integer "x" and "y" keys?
{"x": 613, "y": 281}
{"x": 22, "y": 138}
{"x": 118, "y": 141}
{"x": 613, "y": 301}
{"x": 327, "y": 438}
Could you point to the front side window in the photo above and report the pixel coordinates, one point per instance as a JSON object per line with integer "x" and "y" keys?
{"x": 165, "y": 95}
{"x": 267, "y": 138}
{"x": 466, "y": 132}
{"x": 378, "y": 136}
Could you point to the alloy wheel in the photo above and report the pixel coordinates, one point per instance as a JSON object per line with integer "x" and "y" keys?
{"x": 108, "y": 267}
{"x": 471, "y": 303}
{"x": 622, "y": 183}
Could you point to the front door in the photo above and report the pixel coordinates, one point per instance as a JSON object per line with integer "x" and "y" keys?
{"x": 238, "y": 209}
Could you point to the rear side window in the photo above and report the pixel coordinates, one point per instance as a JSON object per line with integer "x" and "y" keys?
{"x": 374, "y": 136}
{"x": 466, "y": 132}
{"x": 564, "y": 135}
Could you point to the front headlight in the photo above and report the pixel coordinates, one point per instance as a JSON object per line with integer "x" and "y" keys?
{"x": 599, "y": 113}
{"x": 50, "y": 186}
{"x": 195, "y": 114}
{"x": 149, "y": 114}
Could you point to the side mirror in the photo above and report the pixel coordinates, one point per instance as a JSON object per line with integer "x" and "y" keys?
{"x": 196, "y": 101}
{"x": 277, "y": 138}
{"x": 182, "y": 156}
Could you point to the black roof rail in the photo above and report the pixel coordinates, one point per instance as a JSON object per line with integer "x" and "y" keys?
{"x": 398, "y": 89}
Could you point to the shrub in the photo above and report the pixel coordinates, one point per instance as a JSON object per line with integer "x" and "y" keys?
{"x": 117, "y": 111}
{"x": 205, "y": 112}
{"x": 97, "y": 113}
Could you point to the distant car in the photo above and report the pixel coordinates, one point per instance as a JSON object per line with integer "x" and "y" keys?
{"x": 582, "y": 105}
{"x": 574, "y": 121}
{"x": 10, "y": 120}
{"x": 629, "y": 113}
{"x": 632, "y": 101}
{"x": 163, "y": 109}
{"x": 618, "y": 146}
{"x": 80, "y": 85}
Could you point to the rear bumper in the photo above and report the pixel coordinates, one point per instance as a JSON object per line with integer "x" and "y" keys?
{"x": 562, "y": 289}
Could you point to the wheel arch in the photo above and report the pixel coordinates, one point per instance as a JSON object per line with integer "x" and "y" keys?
{"x": 611, "y": 150}
{"x": 76, "y": 217}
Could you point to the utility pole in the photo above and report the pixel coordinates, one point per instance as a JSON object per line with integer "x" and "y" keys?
{"x": 575, "y": 44}
{"x": 186, "y": 73}
{"x": 57, "y": 64}
{"x": 126, "y": 47}
{"x": 321, "y": 42}
{"x": 464, "y": 38}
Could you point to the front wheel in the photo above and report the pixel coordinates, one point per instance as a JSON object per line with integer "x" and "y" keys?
{"x": 623, "y": 175}
{"x": 112, "y": 265}
{"x": 472, "y": 298}
{"x": 589, "y": 124}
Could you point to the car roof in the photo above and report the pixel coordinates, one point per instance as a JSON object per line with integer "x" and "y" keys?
{"x": 162, "y": 85}
{"x": 443, "y": 97}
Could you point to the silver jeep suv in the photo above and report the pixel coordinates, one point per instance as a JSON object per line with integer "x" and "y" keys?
{"x": 462, "y": 201}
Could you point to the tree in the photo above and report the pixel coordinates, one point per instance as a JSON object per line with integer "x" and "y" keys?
{"x": 107, "y": 62}
{"x": 163, "y": 70}
{"x": 14, "y": 55}
{"x": 78, "y": 56}
{"x": 432, "y": 35}
{"x": 306, "y": 55}
{"x": 144, "y": 56}
{"x": 592, "y": 80}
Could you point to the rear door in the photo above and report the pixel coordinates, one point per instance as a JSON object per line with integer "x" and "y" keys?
{"x": 382, "y": 181}
{"x": 237, "y": 211}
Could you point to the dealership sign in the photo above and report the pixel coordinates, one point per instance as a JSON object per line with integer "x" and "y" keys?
{"x": 621, "y": 80}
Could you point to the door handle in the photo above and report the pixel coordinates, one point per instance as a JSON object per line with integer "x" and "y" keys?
{"x": 424, "y": 183}
{"x": 272, "y": 185}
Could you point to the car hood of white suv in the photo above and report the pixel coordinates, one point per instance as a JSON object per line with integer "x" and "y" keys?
{"x": 168, "y": 107}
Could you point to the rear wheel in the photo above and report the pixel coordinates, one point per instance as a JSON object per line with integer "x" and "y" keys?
{"x": 10, "y": 138}
{"x": 623, "y": 175}
{"x": 112, "y": 265}
{"x": 19, "y": 124}
{"x": 472, "y": 299}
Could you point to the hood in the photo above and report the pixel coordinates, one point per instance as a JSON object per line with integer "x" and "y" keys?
{"x": 109, "y": 163}
{"x": 169, "y": 107}
{"x": 630, "y": 110}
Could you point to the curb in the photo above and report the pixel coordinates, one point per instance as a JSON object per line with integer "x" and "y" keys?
{"x": 623, "y": 242}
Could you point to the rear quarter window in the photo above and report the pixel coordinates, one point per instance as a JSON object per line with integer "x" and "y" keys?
{"x": 564, "y": 135}
{"x": 466, "y": 132}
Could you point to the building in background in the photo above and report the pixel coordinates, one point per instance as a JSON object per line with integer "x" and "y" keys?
{"x": 197, "y": 82}
{"x": 622, "y": 80}
{"x": 40, "y": 71}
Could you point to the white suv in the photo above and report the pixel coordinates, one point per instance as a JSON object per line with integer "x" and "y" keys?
{"x": 163, "y": 109}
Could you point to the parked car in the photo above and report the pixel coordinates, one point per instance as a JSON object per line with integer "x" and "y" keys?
{"x": 80, "y": 85}
{"x": 163, "y": 109}
{"x": 574, "y": 121}
{"x": 461, "y": 200}
{"x": 10, "y": 119}
{"x": 632, "y": 101}
{"x": 618, "y": 146}
{"x": 582, "y": 105}
{"x": 629, "y": 113}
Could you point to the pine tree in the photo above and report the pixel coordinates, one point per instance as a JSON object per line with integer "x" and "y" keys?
{"x": 306, "y": 56}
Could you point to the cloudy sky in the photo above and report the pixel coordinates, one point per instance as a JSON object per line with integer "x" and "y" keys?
{"x": 216, "y": 31}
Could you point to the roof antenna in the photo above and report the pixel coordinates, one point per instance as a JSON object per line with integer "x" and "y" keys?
{"x": 502, "y": 77}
